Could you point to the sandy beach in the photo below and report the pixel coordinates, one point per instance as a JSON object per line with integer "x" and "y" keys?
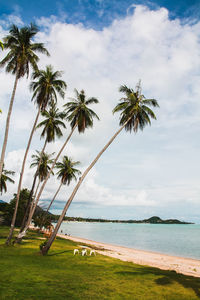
{"x": 182, "y": 265}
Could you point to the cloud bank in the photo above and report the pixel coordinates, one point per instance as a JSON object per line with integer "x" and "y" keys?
{"x": 155, "y": 169}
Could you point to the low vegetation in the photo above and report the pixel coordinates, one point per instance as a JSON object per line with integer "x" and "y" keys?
{"x": 25, "y": 274}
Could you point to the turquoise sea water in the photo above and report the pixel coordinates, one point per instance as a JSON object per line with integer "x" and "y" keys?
{"x": 178, "y": 240}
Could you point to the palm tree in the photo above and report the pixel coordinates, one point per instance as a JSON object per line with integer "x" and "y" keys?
{"x": 4, "y": 178}
{"x": 51, "y": 130}
{"x": 80, "y": 116}
{"x": 52, "y": 123}
{"x": 21, "y": 55}
{"x": 42, "y": 161}
{"x": 45, "y": 90}
{"x": 66, "y": 174}
{"x": 78, "y": 112}
{"x": 135, "y": 113}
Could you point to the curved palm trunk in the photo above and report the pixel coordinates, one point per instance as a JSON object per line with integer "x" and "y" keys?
{"x": 36, "y": 190}
{"x": 45, "y": 249}
{"x": 8, "y": 125}
{"x": 54, "y": 197}
{"x": 20, "y": 179}
{"x": 32, "y": 190}
{"x": 46, "y": 179}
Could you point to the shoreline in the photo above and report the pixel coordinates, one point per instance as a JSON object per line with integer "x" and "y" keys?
{"x": 186, "y": 266}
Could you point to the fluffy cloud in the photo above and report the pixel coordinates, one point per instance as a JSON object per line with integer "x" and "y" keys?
{"x": 137, "y": 170}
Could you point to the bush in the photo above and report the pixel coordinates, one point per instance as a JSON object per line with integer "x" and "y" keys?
{"x": 43, "y": 244}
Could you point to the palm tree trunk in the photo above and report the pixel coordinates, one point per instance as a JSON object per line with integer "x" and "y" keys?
{"x": 46, "y": 248}
{"x": 34, "y": 196}
{"x": 47, "y": 177}
{"x": 8, "y": 124}
{"x": 20, "y": 179}
{"x": 54, "y": 197}
{"x": 32, "y": 190}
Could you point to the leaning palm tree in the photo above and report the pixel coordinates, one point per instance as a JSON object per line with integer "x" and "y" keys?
{"x": 135, "y": 113}
{"x": 21, "y": 55}
{"x": 51, "y": 129}
{"x": 45, "y": 90}
{"x": 42, "y": 161}
{"x": 66, "y": 174}
{"x": 4, "y": 179}
{"x": 80, "y": 116}
{"x": 52, "y": 123}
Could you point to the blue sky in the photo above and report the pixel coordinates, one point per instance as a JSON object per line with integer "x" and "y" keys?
{"x": 100, "y": 45}
{"x": 96, "y": 13}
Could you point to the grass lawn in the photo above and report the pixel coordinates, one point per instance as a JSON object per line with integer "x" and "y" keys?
{"x": 25, "y": 274}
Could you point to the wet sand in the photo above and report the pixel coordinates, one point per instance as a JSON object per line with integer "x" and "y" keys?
{"x": 182, "y": 265}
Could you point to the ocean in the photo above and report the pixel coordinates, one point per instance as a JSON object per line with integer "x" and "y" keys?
{"x": 173, "y": 239}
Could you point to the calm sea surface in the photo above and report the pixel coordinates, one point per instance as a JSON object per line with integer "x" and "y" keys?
{"x": 179, "y": 240}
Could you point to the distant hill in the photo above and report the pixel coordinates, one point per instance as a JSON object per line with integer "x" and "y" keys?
{"x": 152, "y": 220}
{"x": 1, "y": 201}
{"x": 157, "y": 220}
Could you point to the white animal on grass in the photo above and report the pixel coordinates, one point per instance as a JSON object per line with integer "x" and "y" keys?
{"x": 76, "y": 251}
{"x": 84, "y": 252}
{"x": 92, "y": 252}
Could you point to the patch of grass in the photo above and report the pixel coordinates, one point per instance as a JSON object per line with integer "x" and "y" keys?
{"x": 25, "y": 274}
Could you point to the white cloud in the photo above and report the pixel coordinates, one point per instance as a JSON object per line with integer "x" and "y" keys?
{"x": 144, "y": 45}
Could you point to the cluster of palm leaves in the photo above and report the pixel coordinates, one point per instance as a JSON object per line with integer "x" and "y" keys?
{"x": 46, "y": 86}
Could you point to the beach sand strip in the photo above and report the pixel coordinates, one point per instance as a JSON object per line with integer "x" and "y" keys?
{"x": 186, "y": 266}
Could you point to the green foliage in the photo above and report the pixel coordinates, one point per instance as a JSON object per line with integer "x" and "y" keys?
{"x": 22, "y": 51}
{"x": 52, "y": 123}
{"x": 45, "y": 162}
{"x": 60, "y": 275}
{"x": 46, "y": 86}
{"x": 8, "y": 213}
{"x": 135, "y": 109}
{"x": 4, "y": 179}
{"x": 42, "y": 219}
{"x": 67, "y": 172}
{"x": 79, "y": 113}
{"x": 43, "y": 244}
{"x": 1, "y": 45}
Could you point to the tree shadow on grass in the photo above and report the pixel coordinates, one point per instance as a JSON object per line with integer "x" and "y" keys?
{"x": 167, "y": 278}
{"x": 58, "y": 253}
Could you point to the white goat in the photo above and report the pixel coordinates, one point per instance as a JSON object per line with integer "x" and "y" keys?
{"x": 76, "y": 251}
{"x": 84, "y": 252}
{"x": 92, "y": 252}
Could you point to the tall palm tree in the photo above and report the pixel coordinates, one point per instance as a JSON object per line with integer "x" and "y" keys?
{"x": 78, "y": 112}
{"x": 4, "y": 179}
{"x": 66, "y": 174}
{"x": 42, "y": 161}
{"x": 45, "y": 90}
{"x": 52, "y": 123}
{"x": 80, "y": 116}
{"x": 135, "y": 113}
{"x": 21, "y": 55}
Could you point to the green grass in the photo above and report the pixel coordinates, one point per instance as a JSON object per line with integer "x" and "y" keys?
{"x": 25, "y": 274}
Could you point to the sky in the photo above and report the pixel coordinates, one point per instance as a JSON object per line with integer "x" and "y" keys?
{"x": 100, "y": 45}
